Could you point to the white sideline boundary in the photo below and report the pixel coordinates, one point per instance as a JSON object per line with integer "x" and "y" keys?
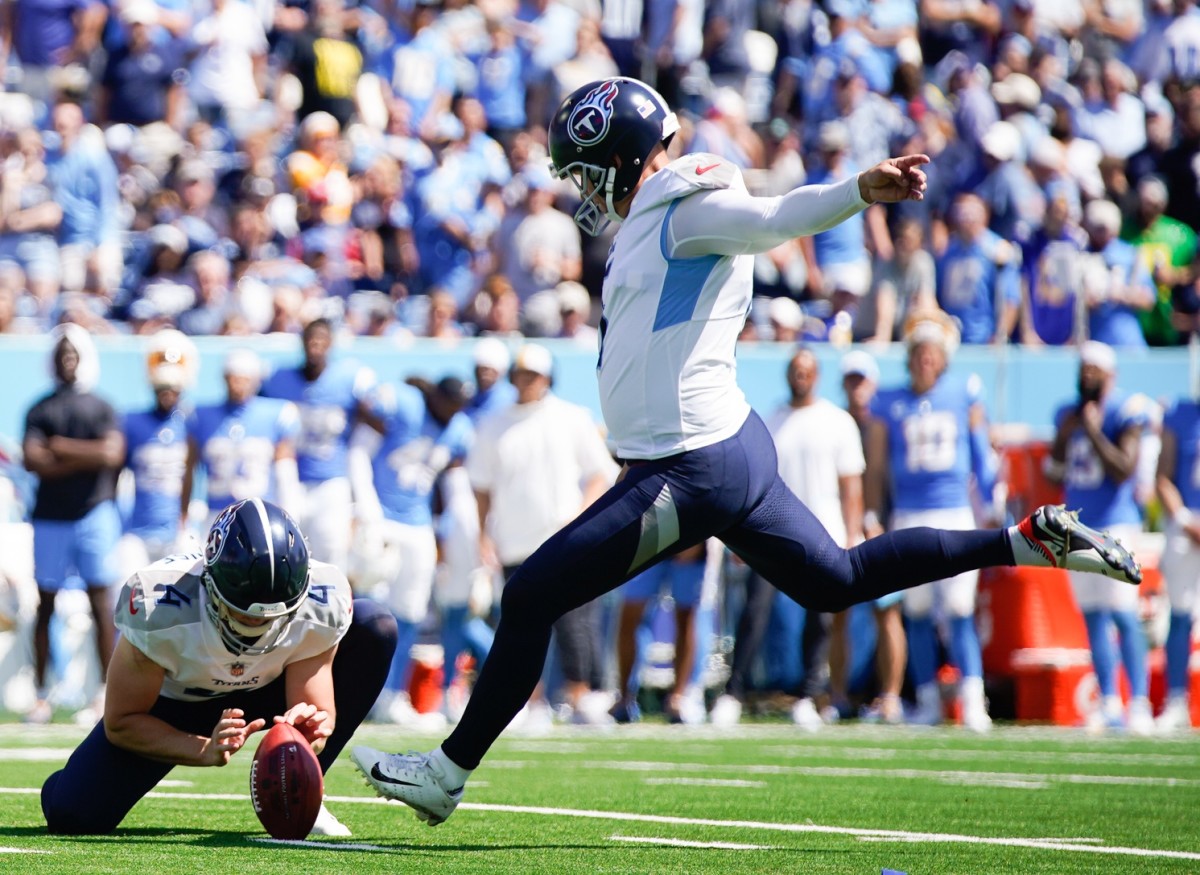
{"x": 1076, "y": 845}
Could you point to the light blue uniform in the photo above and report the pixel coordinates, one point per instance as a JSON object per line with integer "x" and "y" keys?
{"x": 929, "y": 443}
{"x": 237, "y": 446}
{"x": 416, "y": 448}
{"x": 502, "y": 394}
{"x": 156, "y": 453}
{"x": 970, "y": 278}
{"x": 1101, "y": 501}
{"x": 1184, "y": 422}
{"x": 932, "y": 454}
{"x": 1104, "y": 504}
{"x": 1180, "y": 563}
{"x": 327, "y": 406}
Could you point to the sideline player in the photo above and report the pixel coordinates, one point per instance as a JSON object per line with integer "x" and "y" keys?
{"x": 927, "y": 442}
{"x": 1094, "y": 455}
{"x": 245, "y": 445}
{"x": 73, "y": 442}
{"x": 156, "y": 454}
{"x": 1179, "y": 490}
{"x": 394, "y": 472}
{"x": 213, "y": 647}
{"x": 697, "y": 460}
{"x": 330, "y": 396}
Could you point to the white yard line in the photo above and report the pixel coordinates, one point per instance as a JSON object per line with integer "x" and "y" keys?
{"x": 868, "y": 834}
{"x": 955, "y": 777}
{"x": 1081, "y": 845}
{"x": 681, "y": 843}
{"x": 36, "y": 754}
{"x": 703, "y": 782}
{"x": 830, "y": 751}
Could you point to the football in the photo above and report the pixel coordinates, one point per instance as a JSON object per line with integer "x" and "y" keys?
{"x": 286, "y": 784}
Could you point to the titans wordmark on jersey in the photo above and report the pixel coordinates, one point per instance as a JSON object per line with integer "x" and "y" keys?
{"x": 162, "y": 611}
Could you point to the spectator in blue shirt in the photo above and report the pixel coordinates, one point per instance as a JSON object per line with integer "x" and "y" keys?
{"x": 500, "y": 84}
{"x": 1050, "y": 268}
{"x": 143, "y": 80}
{"x": 47, "y": 34}
{"x": 837, "y": 258}
{"x": 1010, "y": 191}
{"x": 30, "y": 217}
{"x": 978, "y": 283}
{"x": 1115, "y": 280}
{"x": 84, "y": 179}
{"x": 953, "y": 25}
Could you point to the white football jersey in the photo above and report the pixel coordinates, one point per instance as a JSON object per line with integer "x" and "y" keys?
{"x": 667, "y": 373}
{"x": 677, "y": 289}
{"x": 162, "y": 611}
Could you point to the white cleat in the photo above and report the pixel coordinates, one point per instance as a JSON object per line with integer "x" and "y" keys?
{"x": 1053, "y": 536}
{"x": 328, "y": 825}
{"x": 1175, "y": 717}
{"x": 726, "y": 711}
{"x": 412, "y": 778}
{"x": 1140, "y": 720}
{"x": 805, "y": 715}
{"x": 976, "y": 719}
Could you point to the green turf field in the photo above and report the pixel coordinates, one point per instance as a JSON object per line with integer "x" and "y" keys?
{"x": 653, "y": 798}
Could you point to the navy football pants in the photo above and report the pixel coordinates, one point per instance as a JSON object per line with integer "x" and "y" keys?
{"x": 101, "y": 782}
{"x": 730, "y": 490}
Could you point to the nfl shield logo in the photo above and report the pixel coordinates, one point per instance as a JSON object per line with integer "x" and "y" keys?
{"x": 237, "y": 669}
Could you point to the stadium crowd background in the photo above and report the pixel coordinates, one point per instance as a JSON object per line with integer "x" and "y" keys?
{"x": 239, "y": 169}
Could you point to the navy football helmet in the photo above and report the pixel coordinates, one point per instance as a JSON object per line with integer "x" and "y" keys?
{"x": 255, "y": 569}
{"x": 607, "y": 120}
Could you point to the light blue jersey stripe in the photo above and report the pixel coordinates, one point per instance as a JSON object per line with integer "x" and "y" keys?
{"x": 683, "y": 283}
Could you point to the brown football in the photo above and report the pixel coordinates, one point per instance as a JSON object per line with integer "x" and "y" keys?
{"x": 286, "y": 784}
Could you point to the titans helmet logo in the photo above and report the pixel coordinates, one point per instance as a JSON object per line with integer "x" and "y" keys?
{"x": 219, "y": 533}
{"x": 589, "y": 120}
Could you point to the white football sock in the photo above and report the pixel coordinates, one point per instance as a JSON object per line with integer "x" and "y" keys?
{"x": 456, "y": 775}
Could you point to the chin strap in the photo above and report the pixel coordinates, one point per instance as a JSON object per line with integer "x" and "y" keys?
{"x": 610, "y": 208}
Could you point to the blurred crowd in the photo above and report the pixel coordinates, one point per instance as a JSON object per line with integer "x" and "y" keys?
{"x": 245, "y": 166}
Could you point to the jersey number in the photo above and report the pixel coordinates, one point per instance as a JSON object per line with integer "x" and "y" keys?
{"x": 1084, "y": 470}
{"x": 931, "y": 441}
{"x": 169, "y": 595}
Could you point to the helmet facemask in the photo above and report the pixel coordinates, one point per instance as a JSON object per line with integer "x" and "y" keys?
{"x": 595, "y": 186}
{"x": 243, "y": 638}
